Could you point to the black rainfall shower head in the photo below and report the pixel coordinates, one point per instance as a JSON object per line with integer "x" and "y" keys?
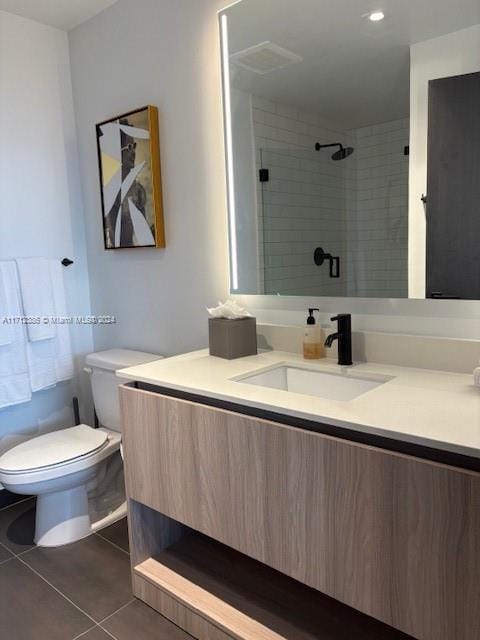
{"x": 341, "y": 154}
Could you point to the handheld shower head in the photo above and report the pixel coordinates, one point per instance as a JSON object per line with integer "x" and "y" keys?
{"x": 341, "y": 154}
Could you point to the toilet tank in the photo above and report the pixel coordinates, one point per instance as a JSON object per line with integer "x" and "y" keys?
{"x": 102, "y": 367}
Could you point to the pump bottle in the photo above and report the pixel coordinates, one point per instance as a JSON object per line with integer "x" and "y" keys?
{"x": 313, "y": 348}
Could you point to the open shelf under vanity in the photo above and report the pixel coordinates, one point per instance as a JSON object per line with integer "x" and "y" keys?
{"x": 209, "y": 586}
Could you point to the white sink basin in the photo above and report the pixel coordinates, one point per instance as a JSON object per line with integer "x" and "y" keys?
{"x": 296, "y": 378}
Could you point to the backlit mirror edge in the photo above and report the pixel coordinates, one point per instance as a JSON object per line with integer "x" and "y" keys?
{"x": 228, "y": 144}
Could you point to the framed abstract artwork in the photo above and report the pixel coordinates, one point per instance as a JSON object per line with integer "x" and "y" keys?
{"x": 130, "y": 180}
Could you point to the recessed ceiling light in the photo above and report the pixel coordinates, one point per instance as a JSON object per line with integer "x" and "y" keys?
{"x": 376, "y": 16}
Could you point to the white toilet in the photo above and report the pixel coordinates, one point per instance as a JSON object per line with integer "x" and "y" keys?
{"x": 58, "y": 467}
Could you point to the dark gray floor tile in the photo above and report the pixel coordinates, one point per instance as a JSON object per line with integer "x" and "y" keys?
{"x": 7, "y": 498}
{"x": 117, "y": 533}
{"x": 31, "y": 610}
{"x": 142, "y": 623}
{"x": 96, "y": 634}
{"x": 17, "y": 526}
{"x": 92, "y": 573}
{"x": 4, "y": 554}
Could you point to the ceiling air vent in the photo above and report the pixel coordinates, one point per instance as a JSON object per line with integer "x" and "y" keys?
{"x": 264, "y": 57}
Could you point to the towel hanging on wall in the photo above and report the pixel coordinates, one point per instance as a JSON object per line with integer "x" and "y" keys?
{"x": 37, "y": 296}
{"x": 28, "y": 365}
{"x": 50, "y": 361}
{"x": 14, "y": 376}
{"x": 6, "y": 332}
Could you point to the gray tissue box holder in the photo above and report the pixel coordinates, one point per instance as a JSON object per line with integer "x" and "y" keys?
{"x": 232, "y": 339}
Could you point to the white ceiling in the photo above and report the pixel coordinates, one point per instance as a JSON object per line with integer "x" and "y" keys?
{"x": 354, "y": 72}
{"x": 63, "y": 14}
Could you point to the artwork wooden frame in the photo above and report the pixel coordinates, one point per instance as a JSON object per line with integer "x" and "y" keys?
{"x": 128, "y": 148}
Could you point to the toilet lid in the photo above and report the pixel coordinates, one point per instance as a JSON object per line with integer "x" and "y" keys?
{"x": 53, "y": 449}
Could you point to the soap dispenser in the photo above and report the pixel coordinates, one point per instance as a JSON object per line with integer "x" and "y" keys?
{"x": 313, "y": 348}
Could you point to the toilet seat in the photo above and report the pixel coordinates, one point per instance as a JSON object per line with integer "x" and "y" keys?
{"x": 51, "y": 450}
{"x": 19, "y": 481}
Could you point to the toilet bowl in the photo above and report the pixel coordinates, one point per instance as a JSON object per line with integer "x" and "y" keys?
{"x": 58, "y": 467}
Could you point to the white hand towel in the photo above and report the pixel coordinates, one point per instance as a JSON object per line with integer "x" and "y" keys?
{"x": 41, "y": 364}
{"x": 50, "y": 361}
{"x": 6, "y": 332}
{"x": 37, "y": 296}
{"x": 14, "y": 376}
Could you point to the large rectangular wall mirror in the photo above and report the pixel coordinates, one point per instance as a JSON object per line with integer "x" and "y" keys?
{"x": 353, "y": 147}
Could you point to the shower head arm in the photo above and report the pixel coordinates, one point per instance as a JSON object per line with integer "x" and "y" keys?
{"x": 341, "y": 154}
{"x": 319, "y": 146}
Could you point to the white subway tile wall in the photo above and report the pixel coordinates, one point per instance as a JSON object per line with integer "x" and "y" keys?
{"x": 377, "y": 218}
{"x": 311, "y": 201}
{"x": 303, "y": 205}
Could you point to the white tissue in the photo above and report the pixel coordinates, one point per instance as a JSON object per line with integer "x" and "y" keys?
{"x": 230, "y": 310}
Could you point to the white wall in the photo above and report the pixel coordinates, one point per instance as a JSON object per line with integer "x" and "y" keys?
{"x": 453, "y": 54}
{"x": 41, "y": 211}
{"x": 377, "y": 223}
{"x": 166, "y": 54}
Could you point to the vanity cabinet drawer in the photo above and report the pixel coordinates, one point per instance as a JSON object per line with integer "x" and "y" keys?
{"x": 395, "y": 537}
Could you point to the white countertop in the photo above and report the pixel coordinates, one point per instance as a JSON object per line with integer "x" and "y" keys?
{"x": 432, "y": 408}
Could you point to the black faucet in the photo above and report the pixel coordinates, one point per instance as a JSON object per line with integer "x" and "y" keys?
{"x": 344, "y": 337}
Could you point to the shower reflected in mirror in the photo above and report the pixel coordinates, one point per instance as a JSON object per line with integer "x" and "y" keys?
{"x": 326, "y": 148}
{"x": 340, "y": 154}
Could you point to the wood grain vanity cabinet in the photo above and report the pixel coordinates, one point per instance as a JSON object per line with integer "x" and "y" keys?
{"x": 393, "y": 536}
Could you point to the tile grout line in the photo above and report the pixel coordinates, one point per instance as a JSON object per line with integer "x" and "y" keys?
{"x": 96, "y": 624}
{"x": 112, "y": 543}
{"x": 7, "y": 561}
{"x": 107, "y": 632}
{"x": 127, "y": 605}
{"x": 22, "y": 553}
{"x": 101, "y": 623}
{"x": 115, "y": 612}
{"x": 19, "y": 557}
{"x": 57, "y": 590}
{"x": 14, "y": 504}
{"x": 85, "y": 632}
